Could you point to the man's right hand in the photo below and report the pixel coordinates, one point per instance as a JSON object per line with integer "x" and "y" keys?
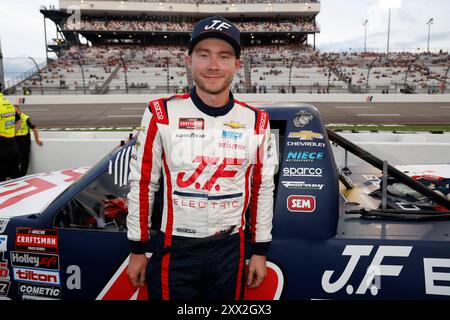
{"x": 136, "y": 269}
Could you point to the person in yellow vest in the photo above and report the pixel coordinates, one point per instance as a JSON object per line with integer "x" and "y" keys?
{"x": 9, "y": 151}
{"x": 23, "y": 139}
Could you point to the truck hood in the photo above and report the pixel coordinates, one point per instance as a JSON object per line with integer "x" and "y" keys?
{"x": 32, "y": 194}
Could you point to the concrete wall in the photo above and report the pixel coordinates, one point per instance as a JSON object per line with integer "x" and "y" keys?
{"x": 418, "y": 148}
{"x": 64, "y": 149}
{"x": 250, "y": 98}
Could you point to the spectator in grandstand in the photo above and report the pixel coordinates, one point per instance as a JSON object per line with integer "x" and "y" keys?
{"x": 201, "y": 245}
{"x": 9, "y": 152}
{"x": 23, "y": 139}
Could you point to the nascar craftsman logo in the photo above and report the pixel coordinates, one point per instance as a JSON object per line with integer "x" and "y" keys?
{"x": 191, "y": 123}
{"x": 37, "y": 240}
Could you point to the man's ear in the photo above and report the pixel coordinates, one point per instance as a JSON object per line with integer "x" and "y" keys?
{"x": 188, "y": 60}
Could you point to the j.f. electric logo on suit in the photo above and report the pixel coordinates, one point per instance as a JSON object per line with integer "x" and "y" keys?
{"x": 221, "y": 172}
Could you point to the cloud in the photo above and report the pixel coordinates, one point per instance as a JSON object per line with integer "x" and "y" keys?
{"x": 408, "y": 24}
{"x": 22, "y": 28}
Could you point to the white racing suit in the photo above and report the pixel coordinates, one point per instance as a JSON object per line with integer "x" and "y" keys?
{"x": 215, "y": 163}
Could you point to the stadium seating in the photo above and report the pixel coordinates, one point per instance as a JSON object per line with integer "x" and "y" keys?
{"x": 273, "y": 69}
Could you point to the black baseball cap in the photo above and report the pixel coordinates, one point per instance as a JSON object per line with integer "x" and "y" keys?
{"x": 216, "y": 27}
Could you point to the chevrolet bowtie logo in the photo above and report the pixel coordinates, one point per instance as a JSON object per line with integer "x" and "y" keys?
{"x": 234, "y": 125}
{"x": 305, "y": 135}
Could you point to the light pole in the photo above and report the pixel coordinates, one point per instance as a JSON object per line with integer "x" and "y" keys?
{"x": 125, "y": 71}
{"x": 39, "y": 74}
{"x": 82, "y": 72}
{"x": 429, "y": 23}
{"x": 389, "y": 30}
{"x": 389, "y": 4}
{"x": 365, "y": 34}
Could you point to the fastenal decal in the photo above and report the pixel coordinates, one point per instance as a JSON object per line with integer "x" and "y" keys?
{"x": 41, "y": 240}
{"x": 191, "y": 123}
{"x": 36, "y": 276}
{"x": 34, "y": 260}
{"x": 297, "y": 203}
{"x": 305, "y": 135}
{"x": 302, "y": 185}
{"x": 39, "y": 290}
{"x": 302, "y": 172}
{"x": 3, "y": 242}
{"x": 3, "y": 224}
{"x": 304, "y": 156}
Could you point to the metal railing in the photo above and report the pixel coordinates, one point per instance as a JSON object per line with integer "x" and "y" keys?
{"x": 25, "y": 75}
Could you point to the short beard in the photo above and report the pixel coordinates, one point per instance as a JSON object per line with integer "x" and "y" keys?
{"x": 201, "y": 85}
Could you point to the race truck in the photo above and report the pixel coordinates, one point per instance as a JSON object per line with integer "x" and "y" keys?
{"x": 370, "y": 231}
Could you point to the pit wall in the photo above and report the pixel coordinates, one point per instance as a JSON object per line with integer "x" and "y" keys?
{"x": 62, "y": 149}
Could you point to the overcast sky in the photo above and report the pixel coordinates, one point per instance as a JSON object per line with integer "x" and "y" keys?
{"x": 22, "y": 27}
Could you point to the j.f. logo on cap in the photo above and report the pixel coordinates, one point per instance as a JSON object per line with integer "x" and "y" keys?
{"x": 218, "y": 25}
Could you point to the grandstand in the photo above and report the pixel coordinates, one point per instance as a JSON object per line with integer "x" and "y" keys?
{"x": 2, "y": 75}
{"x": 138, "y": 46}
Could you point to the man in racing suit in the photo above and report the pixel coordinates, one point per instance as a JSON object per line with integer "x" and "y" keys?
{"x": 213, "y": 155}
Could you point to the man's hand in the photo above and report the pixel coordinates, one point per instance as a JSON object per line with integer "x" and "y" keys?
{"x": 39, "y": 142}
{"x": 257, "y": 271}
{"x": 136, "y": 269}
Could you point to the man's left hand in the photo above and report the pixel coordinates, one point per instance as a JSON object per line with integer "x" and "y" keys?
{"x": 257, "y": 271}
{"x": 39, "y": 142}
